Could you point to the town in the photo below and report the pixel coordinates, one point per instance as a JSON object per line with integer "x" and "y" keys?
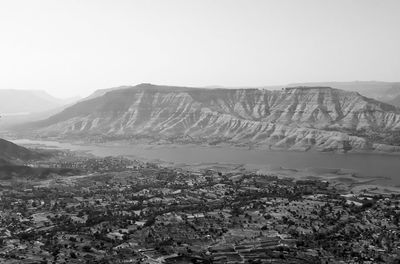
{"x": 128, "y": 211}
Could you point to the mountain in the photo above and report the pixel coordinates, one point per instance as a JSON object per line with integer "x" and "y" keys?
{"x": 101, "y": 92}
{"x": 300, "y": 118}
{"x": 18, "y": 102}
{"x": 382, "y": 91}
{"x": 11, "y": 152}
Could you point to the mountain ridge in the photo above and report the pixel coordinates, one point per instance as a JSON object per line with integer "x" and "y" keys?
{"x": 379, "y": 90}
{"x": 299, "y": 117}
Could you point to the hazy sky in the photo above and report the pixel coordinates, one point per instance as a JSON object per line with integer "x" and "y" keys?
{"x": 71, "y": 47}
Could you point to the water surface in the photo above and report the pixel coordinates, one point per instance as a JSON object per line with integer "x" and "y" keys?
{"x": 364, "y": 164}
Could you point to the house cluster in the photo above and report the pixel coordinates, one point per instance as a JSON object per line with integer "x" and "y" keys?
{"x": 88, "y": 164}
{"x": 152, "y": 214}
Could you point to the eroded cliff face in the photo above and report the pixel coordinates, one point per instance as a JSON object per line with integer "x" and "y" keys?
{"x": 296, "y": 118}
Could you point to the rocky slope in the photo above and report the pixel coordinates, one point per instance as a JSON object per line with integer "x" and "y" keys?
{"x": 298, "y": 118}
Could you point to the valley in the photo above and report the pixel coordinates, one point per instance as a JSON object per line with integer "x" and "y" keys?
{"x": 204, "y": 132}
{"x": 299, "y": 128}
{"x": 118, "y": 176}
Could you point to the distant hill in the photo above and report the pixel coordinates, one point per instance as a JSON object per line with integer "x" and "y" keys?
{"x": 19, "y": 102}
{"x": 9, "y": 121}
{"x": 323, "y": 118}
{"x": 102, "y": 92}
{"x": 388, "y": 92}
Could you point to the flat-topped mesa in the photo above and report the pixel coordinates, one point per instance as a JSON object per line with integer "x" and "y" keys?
{"x": 307, "y": 89}
{"x": 294, "y": 116}
{"x": 170, "y": 88}
{"x": 148, "y": 87}
{"x": 327, "y": 91}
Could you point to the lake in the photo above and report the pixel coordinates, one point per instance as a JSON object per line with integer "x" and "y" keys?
{"x": 364, "y": 164}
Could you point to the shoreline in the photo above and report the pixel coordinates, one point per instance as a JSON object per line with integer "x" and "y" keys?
{"x": 240, "y": 146}
{"x": 324, "y": 173}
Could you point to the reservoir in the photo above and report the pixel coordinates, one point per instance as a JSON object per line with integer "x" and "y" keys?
{"x": 364, "y": 164}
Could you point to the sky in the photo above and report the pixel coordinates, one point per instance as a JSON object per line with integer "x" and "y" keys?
{"x": 73, "y": 47}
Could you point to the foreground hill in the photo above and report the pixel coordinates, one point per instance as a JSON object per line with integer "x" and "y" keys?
{"x": 9, "y": 172}
{"x": 11, "y": 152}
{"x": 298, "y": 118}
{"x": 13, "y": 156}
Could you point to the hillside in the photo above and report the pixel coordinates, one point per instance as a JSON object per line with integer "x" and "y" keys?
{"x": 12, "y": 158}
{"x": 9, "y": 172}
{"x": 12, "y": 152}
{"x": 298, "y": 118}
